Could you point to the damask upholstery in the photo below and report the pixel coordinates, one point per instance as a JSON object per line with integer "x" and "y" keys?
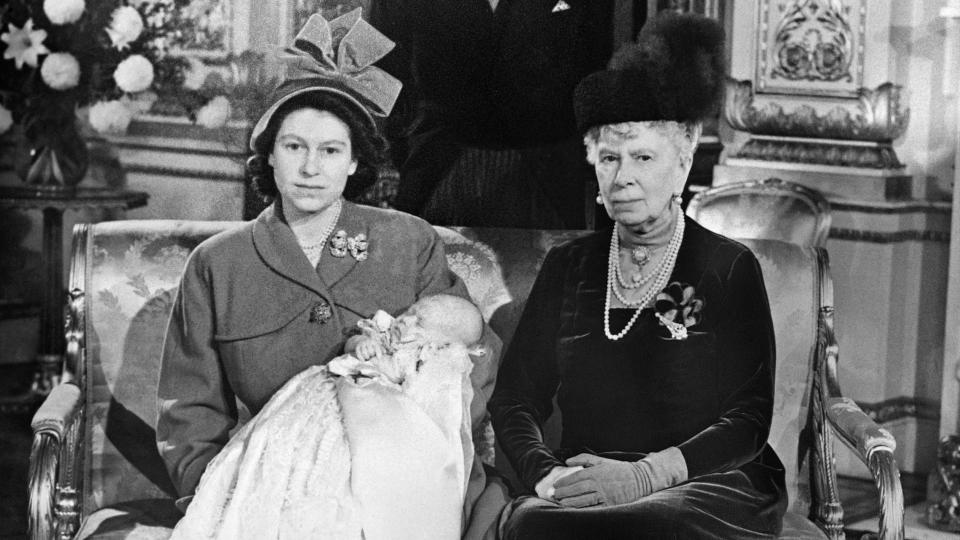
{"x": 770, "y": 208}
{"x": 125, "y": 274}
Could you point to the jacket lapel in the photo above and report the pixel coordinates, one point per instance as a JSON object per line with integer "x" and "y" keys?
{"x": 276, "y": 244}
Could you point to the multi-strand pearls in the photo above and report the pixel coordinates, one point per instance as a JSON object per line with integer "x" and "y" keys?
{"x": 314, "y": 251}
{"x": 662, "y": 272}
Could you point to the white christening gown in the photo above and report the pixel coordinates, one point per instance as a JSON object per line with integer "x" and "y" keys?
{"x": 376, "y": 450}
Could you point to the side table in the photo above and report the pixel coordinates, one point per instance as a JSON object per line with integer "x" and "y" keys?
{"x": 53, "y": 204}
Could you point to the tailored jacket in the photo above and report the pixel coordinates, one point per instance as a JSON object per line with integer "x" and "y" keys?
{"x": 251, "y": 312}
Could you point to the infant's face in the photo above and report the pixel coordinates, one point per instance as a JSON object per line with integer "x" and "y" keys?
{"x": 425, "y": 321}
{"x": 409, "y": 325}
{"x": 438, "y": 325}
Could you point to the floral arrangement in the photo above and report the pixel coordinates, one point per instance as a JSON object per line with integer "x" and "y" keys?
{"x": 111, "y": 61}
{"x": 68, "y": 64}
{"x": 104, "y": 59}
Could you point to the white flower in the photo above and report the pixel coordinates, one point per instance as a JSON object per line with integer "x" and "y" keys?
{"x": 24, "y": 45}
{"x": 110, "y": 116}
{"x": 195, "y": 74}
{"x": 63, "y": 11}
{"x": 125, "y": 27}
{"x": 134, "y": 74}
{"x": 6, "y": 119}
{"x": 215, "y": 113}
{"x": 60, "y": 71}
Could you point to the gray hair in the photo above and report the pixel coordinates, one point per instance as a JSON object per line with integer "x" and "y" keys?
{"x": 683, "y": 135}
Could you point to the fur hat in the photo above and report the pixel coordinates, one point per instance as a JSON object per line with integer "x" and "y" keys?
{"x": 674, "y": 71}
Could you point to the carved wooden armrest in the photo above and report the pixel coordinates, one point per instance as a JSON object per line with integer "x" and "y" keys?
{"x": 872, "y": 444}
{"x": 857, "y": 429}
{"x": 53, "y": 462}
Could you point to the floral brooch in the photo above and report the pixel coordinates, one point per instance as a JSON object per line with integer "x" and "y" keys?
{"x": 678, "y": 308}
{"x": 357, "y": 245}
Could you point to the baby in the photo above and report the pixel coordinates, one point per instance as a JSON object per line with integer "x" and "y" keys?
{"x": 405, "y": 393}
{"x": 382, "y": 451}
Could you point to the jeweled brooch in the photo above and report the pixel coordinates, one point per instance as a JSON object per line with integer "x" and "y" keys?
{"x": 356, "y": 246}
{"x": 678, "y": 308}
{"x": 321, "y": 312}
{"x": 338, "y": 244}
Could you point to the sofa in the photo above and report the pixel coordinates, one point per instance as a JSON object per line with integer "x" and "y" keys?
{"x": 94, "y": 467}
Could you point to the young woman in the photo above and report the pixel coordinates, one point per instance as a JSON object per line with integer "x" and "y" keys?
{"x": 261, "y": 303}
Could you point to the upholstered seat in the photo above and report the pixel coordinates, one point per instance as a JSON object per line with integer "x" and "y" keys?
{"x": 95, "y": 468}
{"x": 771, "y": 208}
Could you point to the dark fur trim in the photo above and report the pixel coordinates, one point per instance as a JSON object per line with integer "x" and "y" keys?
{"x": 674, "y": 71}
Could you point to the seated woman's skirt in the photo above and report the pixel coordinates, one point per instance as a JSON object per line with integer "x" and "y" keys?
{"x": 723, "y": 506}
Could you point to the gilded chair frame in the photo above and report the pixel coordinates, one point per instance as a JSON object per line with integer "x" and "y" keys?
{"x": 57, "y": 453}
{"x": 833, "y": 415}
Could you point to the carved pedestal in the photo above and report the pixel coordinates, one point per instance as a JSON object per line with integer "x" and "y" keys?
{"x": 854, "y": 183}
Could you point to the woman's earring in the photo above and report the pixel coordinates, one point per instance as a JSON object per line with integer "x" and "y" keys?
{"x": 599, "y": 199}
{"x": 677, "y": 199}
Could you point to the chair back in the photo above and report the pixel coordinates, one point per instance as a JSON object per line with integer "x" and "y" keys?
{"x": 771, "y": 208}
{"x": 798, "y": 283}
{"x": 127, "y": 273}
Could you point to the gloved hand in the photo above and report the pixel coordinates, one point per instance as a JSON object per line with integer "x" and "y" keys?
{"x": 608, "y": 482}
{"x": 603, "y": 482}
{"x": 544, "y": 487}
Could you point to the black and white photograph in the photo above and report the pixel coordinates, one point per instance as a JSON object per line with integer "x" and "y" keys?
{"x": 479, "y": 269}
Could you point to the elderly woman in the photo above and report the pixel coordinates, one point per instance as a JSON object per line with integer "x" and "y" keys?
{"x": 654, "y": 338}
{"x": 264, "y": 301}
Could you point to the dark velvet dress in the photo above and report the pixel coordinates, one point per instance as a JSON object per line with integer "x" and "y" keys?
{"x": 710, "y": 395}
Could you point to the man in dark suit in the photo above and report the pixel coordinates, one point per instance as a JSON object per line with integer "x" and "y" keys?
{"x": 485, "y": 132}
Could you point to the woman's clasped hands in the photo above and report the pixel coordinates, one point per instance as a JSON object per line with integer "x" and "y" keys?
{"x": 590, "y": 480}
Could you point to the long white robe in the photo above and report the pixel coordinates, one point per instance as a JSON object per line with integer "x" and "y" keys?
{"x": 382, "y": 451}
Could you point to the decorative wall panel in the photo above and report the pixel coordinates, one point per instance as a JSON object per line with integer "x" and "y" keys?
{"x": 810, "y": 47}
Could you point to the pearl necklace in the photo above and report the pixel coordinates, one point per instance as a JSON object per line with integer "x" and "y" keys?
{"x": 662, "y": 272}
{"x": 315, "y": 251}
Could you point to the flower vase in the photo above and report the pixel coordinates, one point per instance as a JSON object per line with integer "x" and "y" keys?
{"x": 54, "y": 160}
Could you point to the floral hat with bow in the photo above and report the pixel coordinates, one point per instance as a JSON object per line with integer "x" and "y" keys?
{"x": 337, "y": 57}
